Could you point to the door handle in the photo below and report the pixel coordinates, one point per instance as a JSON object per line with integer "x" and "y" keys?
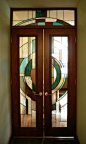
{"x": 46, "y": 94}
{"x": 40, "y": 94}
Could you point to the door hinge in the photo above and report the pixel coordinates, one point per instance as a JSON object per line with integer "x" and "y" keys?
{"x": 11, "y": 39}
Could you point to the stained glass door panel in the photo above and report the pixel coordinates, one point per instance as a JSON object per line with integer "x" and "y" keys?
{"x": 27, "y": 58}
{"x": 59, "y": 82}
{"x": 27, "y": 78}
{"x": 59, "y": 76}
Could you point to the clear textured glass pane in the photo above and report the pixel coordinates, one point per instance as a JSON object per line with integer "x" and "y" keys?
{"x": 27, "y": 58}
{"x": 59, "y": 81}
{"x": 34, "y": 14}
{"x": 53, "y": 13}
{"x": 68, "y": 15}
{"x": 48, "y": 13}
{"x": 20, "y": 15}
{"x": 60, "y": 14}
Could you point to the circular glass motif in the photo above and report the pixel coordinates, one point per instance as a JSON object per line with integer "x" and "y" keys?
{"x": 29, "y": 74}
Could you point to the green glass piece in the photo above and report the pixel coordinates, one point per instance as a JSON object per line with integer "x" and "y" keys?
{"x": 57, "y": 24}
{"x": 41, "y": 24}
{"x": 58, "y": 77}
{"x": 23, "y": 65}
{"x": 33, "y": 46}
{"x": 28, "y": 68}
{"x": 40, "y": 13}
{"x": 33, "y": 87}
{"x": 54, "y": 107}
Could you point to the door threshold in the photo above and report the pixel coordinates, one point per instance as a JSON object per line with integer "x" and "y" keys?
{"x": 47, "y": 137}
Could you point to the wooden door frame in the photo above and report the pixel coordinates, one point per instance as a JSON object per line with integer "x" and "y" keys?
{"x": 15, "y": 85}
{"x": 71, "y": 129}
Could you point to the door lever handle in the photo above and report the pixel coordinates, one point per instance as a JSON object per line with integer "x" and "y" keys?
{"x": 40, "y": 94}
{"x": 46, "y": 94}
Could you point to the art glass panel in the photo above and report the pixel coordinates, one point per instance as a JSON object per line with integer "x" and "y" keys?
{"x": 31, "y": 17}
{"x": 27, "y": 58}
{"x": 59, "y": 55}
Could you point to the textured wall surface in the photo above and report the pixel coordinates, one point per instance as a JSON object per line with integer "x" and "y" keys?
{"x": 5, "y": 104}
{"x": 81, "y": 72}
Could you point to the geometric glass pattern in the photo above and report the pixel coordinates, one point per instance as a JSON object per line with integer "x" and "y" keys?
{"x": 27, "y": 81}
{"x": 59, "y": 55}
{"x": 43, "y": 17}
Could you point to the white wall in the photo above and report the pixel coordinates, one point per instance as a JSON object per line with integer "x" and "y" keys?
{"x": 81, "y": 72}
{"x": 5, "y": 98}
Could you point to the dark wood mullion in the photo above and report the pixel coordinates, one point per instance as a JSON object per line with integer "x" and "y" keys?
{"x": 43, "y": 27}
{"x": 47, "y": 82}
{"x": 39, "y": 81}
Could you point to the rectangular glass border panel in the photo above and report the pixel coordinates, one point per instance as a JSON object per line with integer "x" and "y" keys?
{"x": 71, "y": 22}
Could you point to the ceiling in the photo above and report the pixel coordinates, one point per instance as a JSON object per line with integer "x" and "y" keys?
{"x": 42, "y": 3}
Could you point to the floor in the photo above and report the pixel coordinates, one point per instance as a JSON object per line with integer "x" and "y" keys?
{"x": 42, "y": 141}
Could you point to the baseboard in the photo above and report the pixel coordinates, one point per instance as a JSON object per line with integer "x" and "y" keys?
{"x": 76, "y": 138}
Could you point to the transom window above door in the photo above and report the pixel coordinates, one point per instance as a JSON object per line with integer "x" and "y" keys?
{"x": 43, "y": 17}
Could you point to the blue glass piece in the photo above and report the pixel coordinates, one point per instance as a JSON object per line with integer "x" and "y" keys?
{"x": 41, "y": 24}
{"x": 23, "y": 65}
{"x": 40, "y": 13}
{"x": 57, "y": 24}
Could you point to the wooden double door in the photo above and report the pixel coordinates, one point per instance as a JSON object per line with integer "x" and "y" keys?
{"x": 43, "y": 74}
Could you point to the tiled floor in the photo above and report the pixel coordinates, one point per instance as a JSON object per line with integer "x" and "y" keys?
{"x": 42, "y": 141}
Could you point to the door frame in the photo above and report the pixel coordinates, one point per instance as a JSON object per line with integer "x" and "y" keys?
{"x": 12, "y": 61}
{"x": 70, "y": 130}
{"x": 15, "y": 85}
